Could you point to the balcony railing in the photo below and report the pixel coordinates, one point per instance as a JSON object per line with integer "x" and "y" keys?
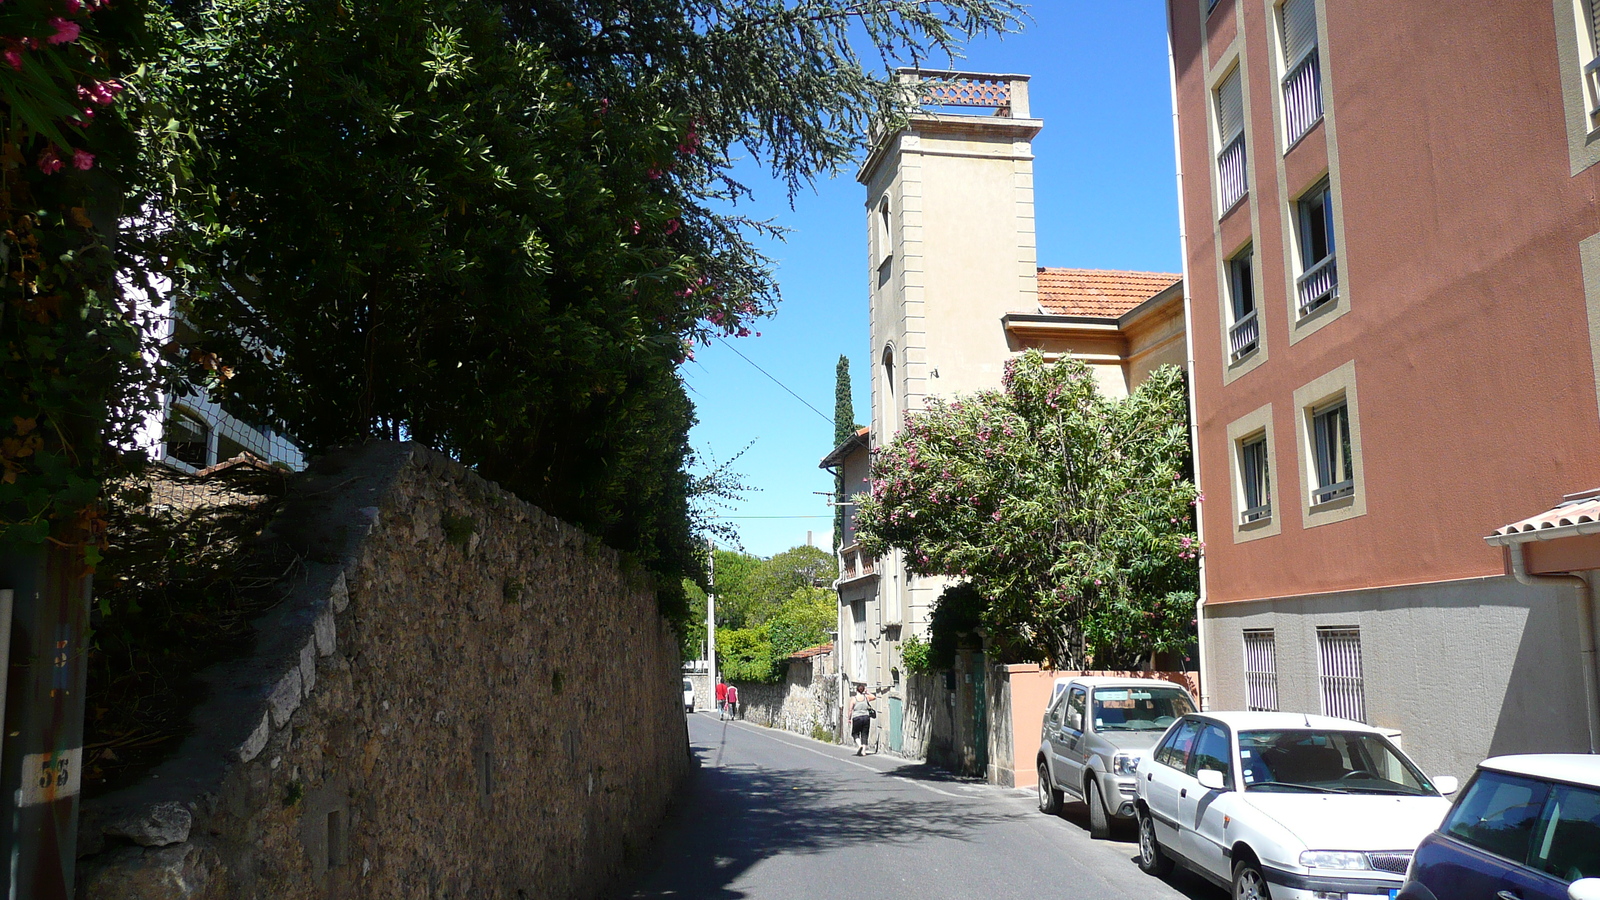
{"x": 1243, "y": 337}
{"x": 1329, "y": 493}
{"x": 1007, "y": 95}
{"x": 855, "y": 564}
{"x": 1319, "y": 285}
{"x": 1302, "y": 98}
{"x": 1591, "y": 74}
{"x": 1230, "y": 172}
{"x": 1256, "y": 513}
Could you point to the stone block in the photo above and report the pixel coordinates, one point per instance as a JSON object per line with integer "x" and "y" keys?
{"x": 257, "y": 741}
{"x": 339, "y": 595}
{"x": 286, "y": 697}
{"x": 308, "y": 667}
{"x": 156, "y": 825}
{"x": 326, "y": 633}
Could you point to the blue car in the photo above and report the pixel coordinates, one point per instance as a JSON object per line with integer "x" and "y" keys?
{"x": 1525, "y": 828}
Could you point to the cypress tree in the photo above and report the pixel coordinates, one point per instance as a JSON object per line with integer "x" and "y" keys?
{"x": 844, "y": 425}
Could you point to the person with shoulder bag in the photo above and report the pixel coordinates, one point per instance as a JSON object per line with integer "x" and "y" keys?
{"x": 861, "y": 716}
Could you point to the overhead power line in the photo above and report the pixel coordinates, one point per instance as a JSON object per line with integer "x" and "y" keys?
{"x": 825, "y": 417}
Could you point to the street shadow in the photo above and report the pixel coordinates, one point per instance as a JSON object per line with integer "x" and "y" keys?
{"x": 732, "y": 817}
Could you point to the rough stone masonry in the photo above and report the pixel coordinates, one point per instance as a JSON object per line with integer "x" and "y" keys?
{"x": 459, "y": 696}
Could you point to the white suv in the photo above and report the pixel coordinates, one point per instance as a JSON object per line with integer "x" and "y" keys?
{"x": 1309, "y": 805}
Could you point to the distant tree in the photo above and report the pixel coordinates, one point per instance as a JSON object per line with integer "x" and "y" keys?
{"x": 777, "y": 579}
{"x": 804, "y": 620}
{"x": 1071, "y": 514}
{"x": 844, "y": 427}
{"x": 731, "y": 574}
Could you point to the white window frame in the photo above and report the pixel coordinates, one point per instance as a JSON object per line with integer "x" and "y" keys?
{"x": 1261, "y": 669}
{"x": 1306, "y": 62}
{"x": 1244, "y": 328}
{"x": 1332, "y": 455}
{"x": 1340, "y": 677}
{"x": 1310, "y": 400}
{"x": 1325, "y": 268}
{"x": 1225, "y": 140}
{"x": 1255, "y": 477}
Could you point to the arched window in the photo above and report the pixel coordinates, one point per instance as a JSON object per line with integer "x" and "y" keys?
{"x": 188, "y": 438}
{"x": 889, "y": 411}
{"x": 885, "y": 234}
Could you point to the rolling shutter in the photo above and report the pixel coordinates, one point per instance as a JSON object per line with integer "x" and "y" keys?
{"x": 1300, "y": 30}
{"x": 1230, "y": 108}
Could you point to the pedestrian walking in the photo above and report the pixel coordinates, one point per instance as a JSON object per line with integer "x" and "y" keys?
{"x": 733, "y": 702}
{"x": 722, "y": 696}
{"x": 861, "y": 716}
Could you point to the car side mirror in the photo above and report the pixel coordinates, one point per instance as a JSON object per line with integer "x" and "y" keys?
{"x": 1211, "y": 779}
{"x": 1584, "y": 889}
{"x": 1446, "y": 784}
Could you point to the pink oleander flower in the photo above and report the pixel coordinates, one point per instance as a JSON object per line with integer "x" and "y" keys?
{"x": 49, "y": 161}
{"x": 82, "y": 160}
{"x": 13, "y": 57}
{"x": 672, "y": 226}
{"x": 105, "y": 93}
{"x": 66, "y": 30}
{"x": 74, "y": 5}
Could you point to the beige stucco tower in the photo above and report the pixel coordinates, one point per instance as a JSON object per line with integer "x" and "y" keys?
{"x": 950, "y": 224}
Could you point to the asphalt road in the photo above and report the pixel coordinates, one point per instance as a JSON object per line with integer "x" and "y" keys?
{"x": 772, "y": 815}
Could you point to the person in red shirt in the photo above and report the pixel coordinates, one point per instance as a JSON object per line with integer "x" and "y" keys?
{"x": 733, "y": 702}
{"x": 722, "y": 696}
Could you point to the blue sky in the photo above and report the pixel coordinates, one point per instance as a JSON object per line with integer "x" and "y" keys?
{"x": 1105, "y": 198}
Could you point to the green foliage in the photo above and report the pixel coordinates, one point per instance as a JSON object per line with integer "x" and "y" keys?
{"x": 757, "y": 652}
{"x": 914, "y": 656}
{"x": 500, "y": 230}
{"x": 804, "y": 620}
{"x": 1070, "y": 514}
{"x": 746, "y": 654}
{"x": 956, "y": 617}
{"x": 75, "y": 383}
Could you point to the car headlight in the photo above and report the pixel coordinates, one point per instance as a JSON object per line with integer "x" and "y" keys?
{"x": 1124, "y": 763}
{"x": 1334, "y": 859}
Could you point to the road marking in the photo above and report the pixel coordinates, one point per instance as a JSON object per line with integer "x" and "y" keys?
{"x": 767, "y": 733}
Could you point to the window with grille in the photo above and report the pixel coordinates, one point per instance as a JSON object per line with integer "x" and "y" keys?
{"x": 1253, "y": 480}
{"x": 1302, "y": 76}
{"x": 1260, "y": 670}
{"x": 1330, "y": 435}
{"x": 1230, "y": 137}
{"x": 1339, "y": 669}
{"x": 858, "y": 640}
{"x": 1244, "y": 334}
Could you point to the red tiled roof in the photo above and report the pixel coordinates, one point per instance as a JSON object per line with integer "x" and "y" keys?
{"x": 1577, "y": 514}
{"x": 1106, "y": 293}
{"x": 809, "y": 652}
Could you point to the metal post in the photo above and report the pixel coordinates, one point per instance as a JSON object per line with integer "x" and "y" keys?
{"x": 41, "y": 766}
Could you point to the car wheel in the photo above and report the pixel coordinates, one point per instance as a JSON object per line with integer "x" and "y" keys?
{"x": 1049, "y": 797}
{"x": 1249, "y": 883}
{"x": 1151, "y": 857}
{"x": 1099, "y": 819}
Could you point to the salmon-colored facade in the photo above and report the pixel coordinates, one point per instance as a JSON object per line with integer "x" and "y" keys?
{"x": 1433, "y": 164}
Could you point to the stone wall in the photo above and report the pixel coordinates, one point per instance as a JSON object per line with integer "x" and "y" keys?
{"x": 805, "y": 702}
{"x": 459, "y": 696}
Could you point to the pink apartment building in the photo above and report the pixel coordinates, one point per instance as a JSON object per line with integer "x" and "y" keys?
{"x": 1392, "y": 251}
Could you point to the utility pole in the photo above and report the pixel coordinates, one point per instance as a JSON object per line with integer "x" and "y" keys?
{"x": 711, "y": 615}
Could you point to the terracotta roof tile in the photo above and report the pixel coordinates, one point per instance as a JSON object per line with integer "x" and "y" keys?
{"x": 1105, "y": 293}
{"x": 1579, "y": 514}
{"x": 809, "y": 652}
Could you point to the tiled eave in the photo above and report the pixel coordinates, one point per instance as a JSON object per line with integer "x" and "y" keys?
{"x": 1578, "y": 515}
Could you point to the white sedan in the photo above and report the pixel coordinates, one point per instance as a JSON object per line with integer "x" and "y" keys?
{"x": 1284, "y": 805}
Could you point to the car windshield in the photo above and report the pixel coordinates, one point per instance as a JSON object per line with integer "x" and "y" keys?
{"x": 688, "y": 685}
{"x": 1139, "y": 708}
{"x": 1340, "y": 762}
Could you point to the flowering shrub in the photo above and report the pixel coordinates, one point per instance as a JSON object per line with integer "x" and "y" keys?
{"x": 1071, "y": 514}
{"x": 74, "y": 380}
